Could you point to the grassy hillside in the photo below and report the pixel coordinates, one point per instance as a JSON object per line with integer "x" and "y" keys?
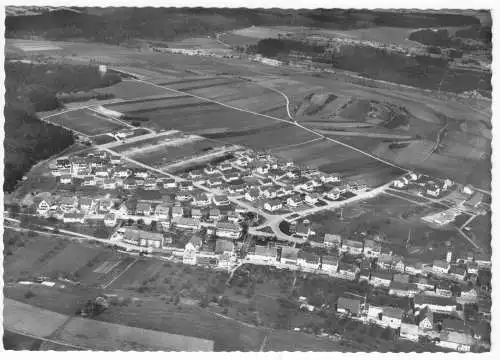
{"x": 31, "y": 88}
{"x": 118, "y": 25}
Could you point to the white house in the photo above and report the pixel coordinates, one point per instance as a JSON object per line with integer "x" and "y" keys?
{"x": 409, "y": 331}
{"x": 329, "y": 263}
{"x": 228, "y": 230}
{"x": 294, "y": 200}
{"x": 353, "y": 247}
{"x": 440, "y": 266}
{"x": 312, "y": 199}
{"x": 73, "y": 218}
{"x": 392, "y": 317}
{"x": 273, "y": 205}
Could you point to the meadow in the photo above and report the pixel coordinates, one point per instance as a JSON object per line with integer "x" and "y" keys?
{"x": 85, "y": 121}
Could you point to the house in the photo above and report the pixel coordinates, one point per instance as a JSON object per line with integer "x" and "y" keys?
{"x": 371, "y": 248}
{"x": 43, "y": 207}
{"x": 224, "y": 166}
{"x": 121, "y": 172}
{"x": 183, "y": 196}
{"x": 228, "y": 230}
{"x": 201, "y": 199}
{"x": 400, "y": 183}
{"x": 68, "y": 204}
{"x": 187, "y": 223}
{"x": 312, "y": 199}
{"x": 210, "y": 170}
{"x": 196, "y": 214}
{"x": 350, "y": 307}
{"x": 472, "y": 268}
{"x": 333, "y": 241}
{"x": 186, "y": 186}
{"x": 214, "y": 214}
{"x": 232, "y": 216}
{"x": 252, "y": 194}
{"x": 329, "y": 263}
{"x": 143, "y": 208}
{"x": 264, "y": 183}
{"x": 151, "y": 184}
{"x": 101, "y": 171}
{"x": 189, "y": 255}
{"x": 458, "y": 273}
{"x": 129, "y": 183}
{"x": 468, "y": 295}
{"x": 440, "y": 266}
{"x": 264, "y": 254}
{"x": 461, "y": 342}
{"x": 398, "y": 263}
{"x": 482, "y": 260}
{"x": 237, "y": 187}
{"x": 177, "y": 212}
{"x": 433, "y": 191}
{"x": 425, "y": 319}
{"x": 423, "y": 284}
{"x": 143, "y": 238}
{"x": 195, "y": 174}
{"x": 303, "y": 230}
{"x": 333, "y": 194}
{"x": 142, "y": 173}
{"x": 214, "y": 182}
{"x": 63, "y": 163}
{"x": 271, "y": 192}
{"x": 347, "y": 271}
{"x": 262, "y": 170}
{"x": 294, "y": 200}
{"x": 352, "y": 247}
{"x": 409, "y": 331}
{"x": 89, "y": 181}
{"x": 327, "y": 178}
{"x": 65, "y": 179}
{"x": 242, "y": 162}
{"x": 435, "y": 303}
{"x": 443, "y": 290}
{"x": 221, "y": 200}
{"x": 73, "y": 218}
{"x": 308, "y": 261}
{"x": 229, "y": 176}
{"x": 392, "y": 317}
{"x": 401, "y": 278}
{"x": 109, "y": 184}
{"x": 223, "y": 246}
{"x": 403, "y": 289}
{"x": 110, "y": 220}
{"x": 293, "y": 174}
{"x": 273, "y": 205}
{"x": 105, "y": 205}
{"x": 169, "y": 183}
{"x": 413, "y": 266}
{"x": 380, "y": 279}
{"x": 86, "y": 204}
{"x": 162, "y": 212}
{"x": 287, "y": 255}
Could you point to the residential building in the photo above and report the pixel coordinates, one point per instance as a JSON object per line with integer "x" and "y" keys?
{"x": 392, "y": 317}
{"x": 68, "y": 204}
{"x": 264, "y": 254}
{"x": 143, "y": 238}
{"x": 189, "y": 256}
{"x": 329, "y": 263}
{"x": 223, "y": 246}
{"x": 312, "y": 199}
{"x": 458, "y": 273}
{"x": 303, "y": 230}
{"x": 352, "y": 247}
{"x": 224, "y": 166}
{"x": 177, "y": 212}
{"x": 455, "y": 325}
{"x": 409, "y": 331}
{"x": 482, "y": 260}
{"x": 110, "y": 220}
{"x": 196, "y": 213}
{"x": 87, "y": 204}
{"x": 328, "y": 178}
{"x": 371, "y": 248}
{"x": 308, "y": 261}
{"x": 221, "y": 200}
{"x": 162, "y": 212}
{"x": 129, "y": 183}
{"x": 65, "y": 179}
{"x": 73, "y": 218}
{"x": 201, "y": 199}
{"x": 273, "y": 205}
{"x": 214, "y": 214}
{"x": 294, "y": 201}
{"x": 43, "y": 207}
{"x": 105, "y": 205}
{"x": 214, "y": 182}
{"x": 425, "y": 319}
{"x": 228, "y": 230}
{"x": 347, "y": 271}
{"x": 456, "y": 341}
{"x": 403, "y": 289}
{"x": 210, "y": 170}
{"x": 413, "y": 266}
{"x": 380, "y": 279}
{"x": 440, "y": 266}
{"x": 402, "y": 278}
{"x": 169, "y": 183}
{"x": 287, "y": 255}
{"x": 333, "y": 241}
{"x": 472, "y": 268}
{"x": 143, "y": 208}
{"x": 187, "y": 223}
{"x": 351, "y": 307}
{"x": 252, "y": 194}
{"x": 89, "y": 181}
{"x": 435, "y": 303}
{"x": 186, "y": 186}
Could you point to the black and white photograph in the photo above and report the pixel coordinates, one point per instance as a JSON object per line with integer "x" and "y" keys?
{"x": 241, "y": 179}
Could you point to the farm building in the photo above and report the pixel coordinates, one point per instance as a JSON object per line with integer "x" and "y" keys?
{"x": 403, "y": 289}
{"x": 352, "y": 247}
{"x": 143, "y": 238}
{"x": 333, "y": 240}
{"x": 435, "y": 303}
{"x": 187, "y": 223}
{"x": 228, "y": 230}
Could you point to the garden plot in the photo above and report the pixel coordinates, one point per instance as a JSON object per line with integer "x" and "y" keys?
{"x": 86, "y": 121}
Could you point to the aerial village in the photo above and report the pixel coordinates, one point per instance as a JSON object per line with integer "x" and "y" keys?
{"x": 227, "y": 201}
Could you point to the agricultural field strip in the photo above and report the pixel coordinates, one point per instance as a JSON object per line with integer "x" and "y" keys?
{"x": 294, "y": 145}
{"x": 366, "y": 134}
{"x": 49, "y": 340}
{"x": 166, "y": 143}
{"x": 120, "y": 274}
{"x": 282, "y": 120}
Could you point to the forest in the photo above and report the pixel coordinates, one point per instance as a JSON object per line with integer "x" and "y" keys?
{"x": 34, "y": 87}
{"x": 120, "y": 25}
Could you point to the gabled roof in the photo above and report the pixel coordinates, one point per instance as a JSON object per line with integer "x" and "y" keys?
{"x": 352, "y": 243}
{"x": 392, "y": 312}
{"x": 329, "y": 259}
{"x": 353, "y": 305}
{"x": 455, "y": 325}
{"x": 289, "y": 253}
{"x": 265, "y": 251}
{"x": 421, "y": 299}
{"x": 222, "y": 245}
{"x": 308, "y": 257}
{"x": 382, "y": 275}
{"x": 425, "y": 313}
{"x": 333, "y": 238}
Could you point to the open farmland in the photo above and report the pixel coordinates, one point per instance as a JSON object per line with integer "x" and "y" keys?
{"x": 85, "y": 121}
{"x": 132, "y": 89}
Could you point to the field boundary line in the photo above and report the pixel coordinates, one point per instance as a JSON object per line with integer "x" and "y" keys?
{"x": 120, "y": 274}
{"x": 47, "y": 340}
{"x": 280, "y": 120}
{"x": 293, "y": 145}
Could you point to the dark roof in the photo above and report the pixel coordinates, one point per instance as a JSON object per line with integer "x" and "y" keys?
{"x": 455, "y": 325}
{"x": 329, "y": 259}
{"x": 353, "y": 305}
{"x": 289, "y": 253}
{"x": 425, "y": 313}
{"x": 396, "y": 285}
{"x": 392, "y": 312}
{"x": 382, "y": 275}
{"x": 222, "y": 245}
{"x": 421, "y": 299}
{"x": 308, "y": 257}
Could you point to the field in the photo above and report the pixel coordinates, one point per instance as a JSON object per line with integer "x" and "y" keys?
{"x": 394, "y": 218}
{"x": 133, "y": 89}
{"x": 85, "y": 121}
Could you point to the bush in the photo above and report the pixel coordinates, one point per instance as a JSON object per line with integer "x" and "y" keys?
{"x": 29, "y": 294}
